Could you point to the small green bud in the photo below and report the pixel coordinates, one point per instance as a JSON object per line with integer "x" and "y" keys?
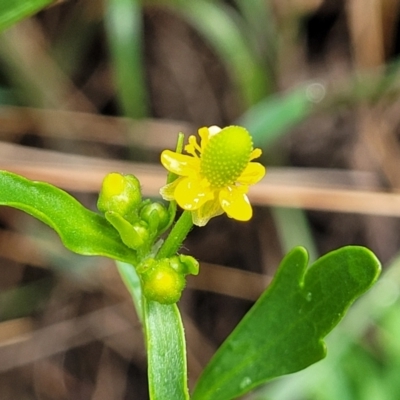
{"x": 156, "y": 216}
{"x": 120, "y": 194}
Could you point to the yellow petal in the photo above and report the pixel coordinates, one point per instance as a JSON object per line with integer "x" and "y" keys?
{"x": 179, "y": 164}
{"x": 252, "y": 174}
{"x": 235, "y": 203}
{"x": 168, "y": 191}
{"x": 255, "y": 154}
{"x": 207, "y": 211}
{"x": 190, "y": 194}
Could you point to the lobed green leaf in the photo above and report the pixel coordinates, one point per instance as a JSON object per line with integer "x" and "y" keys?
{"x": 284, "y": 330}
{"x": 81, "y": 230}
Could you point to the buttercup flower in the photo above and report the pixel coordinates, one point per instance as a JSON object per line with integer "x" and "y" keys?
{"x": 215, "y": 177}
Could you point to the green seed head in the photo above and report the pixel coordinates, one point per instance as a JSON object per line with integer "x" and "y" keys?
{"x": 160, "y": 281}
{"x": 226, "y": 156}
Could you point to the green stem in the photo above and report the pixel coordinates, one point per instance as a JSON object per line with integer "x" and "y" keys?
{"x": 164, "y": 331}
{"x": 176, "y": 237}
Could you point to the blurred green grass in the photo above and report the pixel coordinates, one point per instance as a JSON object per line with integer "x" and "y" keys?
{"x": 12, "y": 12}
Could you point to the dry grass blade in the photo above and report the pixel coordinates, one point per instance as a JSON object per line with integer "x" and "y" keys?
{"x": 14, "y": 331}
{"x": 366, "y": 27}
{"x": 74, "y": 172}
{"x": 279, "y": 188}
{"x": 229, "y": 281}
{"x": 38, "y": 344}
{"x": 336, "y": 200}
{"x": 147, "y": 133}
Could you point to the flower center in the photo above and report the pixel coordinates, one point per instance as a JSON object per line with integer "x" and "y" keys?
{"x": 226, "y": 156}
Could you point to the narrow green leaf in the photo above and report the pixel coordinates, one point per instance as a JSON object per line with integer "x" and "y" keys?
{"x": 274, "y": 116}
{"x": 81, "y": 230}
{"x": 166, "y": 352}
{"x": 123, "y": 22}
{"x": 263, "y": 31}
{"x": 24, "y": 300}
{"x": 220, "y": 27}
{"x": 284, "y": 330}
{"x": 12, "y": 11}
{"x": 73, "y": 40}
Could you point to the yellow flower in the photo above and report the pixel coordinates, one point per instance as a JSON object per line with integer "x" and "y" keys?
{"x": 214, "y": 178}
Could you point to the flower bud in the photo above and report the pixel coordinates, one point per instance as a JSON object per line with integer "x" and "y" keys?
{"x": 156, "y": 216}
{"x": 120, "y": 194}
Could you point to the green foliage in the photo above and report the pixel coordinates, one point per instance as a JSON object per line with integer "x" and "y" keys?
{"x": 166, "y": 352}
{"x": 273, "y": 117}
{"x": 81, "y": 231}
{"x": 284, "y": 331}
{"x": 24, "y": 300}
{"x": 123, "y": 22}
{"x": 362, "y": 352}
{"x": 223, "y": 29}
{"x": 281, "y": 334}
{"x": 12, "y": 11}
